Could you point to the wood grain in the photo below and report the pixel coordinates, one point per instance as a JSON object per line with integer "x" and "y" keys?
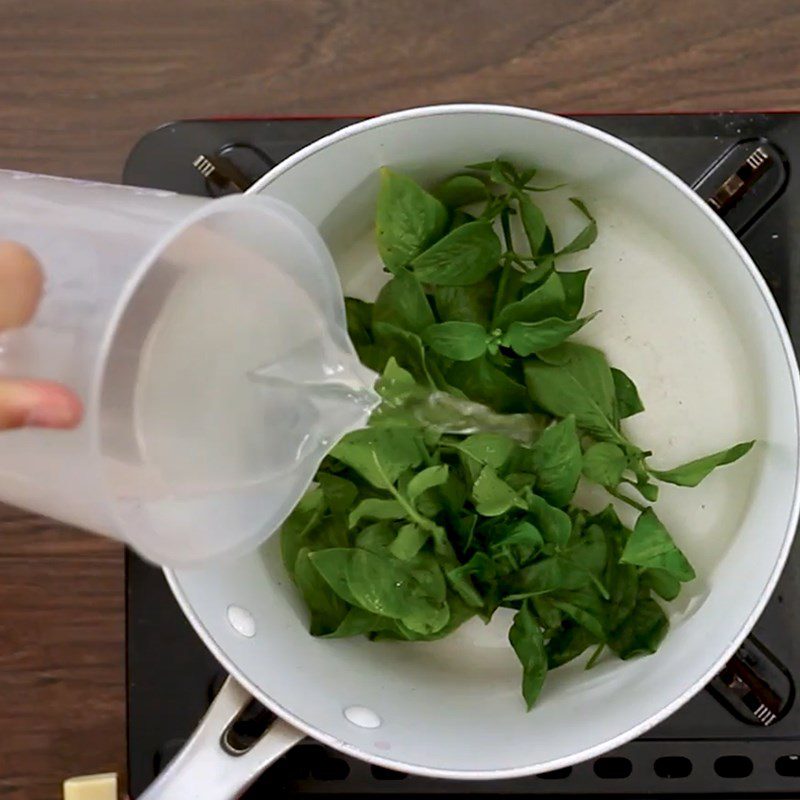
{"x": 81, "y": 80}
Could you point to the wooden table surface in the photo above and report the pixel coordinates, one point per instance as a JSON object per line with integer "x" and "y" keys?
{"x": 81, "y": 80}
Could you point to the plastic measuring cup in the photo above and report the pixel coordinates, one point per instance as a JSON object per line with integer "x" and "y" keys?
{"x": 207, "y": 340}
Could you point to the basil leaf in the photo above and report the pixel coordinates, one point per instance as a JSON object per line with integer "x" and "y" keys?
{"x": 407, "y": 349}
{"x": 586, "y": 237}
{"x": 427, "y": 479}
{"x": 461, "y": 190}
{"x": 650, "y": 545}
{"x": 340, "y": 494}
{"x": 491, "y": 495}
{"x": 554, "y": 524}
{"x": 527, "y": 338}
{"x": 574, "y": 284}
{"x": 628, "y": 401}
{"x": 465, "y": 256}
{"x": 403, "y": 303}
{"x": 377, "y": 538}
{"x": 460, "y": 341}
{"x": 693, "y": 472}
{"x": 399, "y": 449}
{"x": 299, "y": 525}
{"x": 567, "y": 645}
{"x": 533, "y": 223}
{"x": 326, "y": 608}
{"x": 493, "y": 449}
{"x": 358, "y": 622}
{"x": 661, "y": 582}
{"x": 374, "y": 508}
{"x": 582, "y": 385}
{"x": 409, "y": 541}
{"x": 545, "y": 301}
{"x": 482, "y": 382}
{"x": 396, "y": 384}
{"x": 408, "y": 219}
{"x": 460, "y": 578}
{"x": 526, "y": 638}
{"x": 466, "y": 303}
{"x": 604, "y": 463}
{"x": 359, "y": 320}
{"x": 556, "y": 461}
{"x": 381, "y": 585}
{"x": 590, "y": 618}
{"x": 518, "y": 534}
{"x": 642, "y": 632}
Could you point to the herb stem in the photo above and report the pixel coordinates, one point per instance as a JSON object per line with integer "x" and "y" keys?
{"x": 499, "y": 298}
{"x": 625, "y": 499}
{"x": 595, "y": 656}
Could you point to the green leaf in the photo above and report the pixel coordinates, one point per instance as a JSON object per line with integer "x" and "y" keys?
{"x": 590, "y": 617}
{"x": 574, "y": 284}
{"x": 427, "y": 479}
{"x": 528, "y": 643}
{"x": 642, "y": 632}
{"x": 374, "y": 508}
{"x": 465, "y": 256}
{"x": 466, "y": 303}
{"x": 480, "y": 566}
{"x": 650, "y": 545}
{"x": 586, "y": 237}
{"x": 396, "y": 384}
{"x": 458, "y": 218}
{"x": 693, "y": 472}
{"x": 545, "y": 301}
{"x": 519, "y": 533}
{"x": 567, "y": 645}
{"x": 461, "y": 190}
{"x": 376, "y": 537}
{"x": 527, "y": 338}
{"x": 406, "y": 348}
{"x": 661, "y": 582}
{"x": 359, "y": 320}
{"x": 340, "y": 494}
{"x": 461, "y": 341}
{"x": 397, "y": 449}
{"x": 408, "y": 219}
{"x": 554, "y": 524}
{"x": 484, "y": 383}
{"x": 403, "y": 303}
{"x": 358, "y": 622}
{"x": 296, "y": 530}
{"x": 576, "y": 567}
{"x": 382, "y": 585}
{"x": 409, "y": 541}
{"x": 491, "y": 495}
{"x": 582, "y": 385}
{"x": 556, "y": 461}
{"x": 533, "y": 222}
{"x": 628, "y": 401}
{"x": 604, "y": 463}
{"x": 326, "y": 608}
{"x": 493, "y": 449}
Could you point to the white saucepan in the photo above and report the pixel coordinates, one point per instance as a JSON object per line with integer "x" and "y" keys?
{"x": 687, "y": 315}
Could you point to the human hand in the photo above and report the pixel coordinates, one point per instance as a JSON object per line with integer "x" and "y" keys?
{"x": 24, "y": 402}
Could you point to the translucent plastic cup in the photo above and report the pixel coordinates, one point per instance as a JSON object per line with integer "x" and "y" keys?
{"x": 157, "y": 310}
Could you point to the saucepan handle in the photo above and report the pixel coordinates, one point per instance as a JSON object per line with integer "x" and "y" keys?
{"x": 206, "y": 768}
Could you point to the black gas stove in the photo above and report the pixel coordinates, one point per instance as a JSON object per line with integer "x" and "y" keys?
{"x": 739, "y": 738}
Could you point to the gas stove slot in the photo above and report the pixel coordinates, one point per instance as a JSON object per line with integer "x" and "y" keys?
{"x": 744, "y": 182}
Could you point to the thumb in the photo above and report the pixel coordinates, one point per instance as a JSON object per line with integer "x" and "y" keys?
{"x": 41, "y": 404}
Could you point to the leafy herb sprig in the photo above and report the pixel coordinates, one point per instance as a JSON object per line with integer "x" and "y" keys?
{"x": 409, "y": 532}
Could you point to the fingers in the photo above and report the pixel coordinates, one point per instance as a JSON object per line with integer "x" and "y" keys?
{"x": 40, "y": 404}
{"x": 21, "y": 282}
